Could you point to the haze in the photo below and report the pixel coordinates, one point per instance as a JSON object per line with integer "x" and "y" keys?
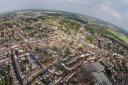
{"x": 113, "y": 11}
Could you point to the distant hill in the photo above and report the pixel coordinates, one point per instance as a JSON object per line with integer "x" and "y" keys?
{"x": 71, "y": 15}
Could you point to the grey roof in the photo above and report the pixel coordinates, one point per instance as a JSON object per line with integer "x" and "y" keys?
{"x": 101, "y": 79}
{"x": 98, "y": 66}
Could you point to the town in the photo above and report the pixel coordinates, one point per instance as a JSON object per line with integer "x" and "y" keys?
{"x": 54, "y": 48}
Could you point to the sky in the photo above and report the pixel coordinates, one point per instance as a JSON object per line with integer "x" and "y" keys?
{"x": 113, "y": 11}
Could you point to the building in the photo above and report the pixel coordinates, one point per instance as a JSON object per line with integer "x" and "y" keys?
{"x": 101, "y": 79}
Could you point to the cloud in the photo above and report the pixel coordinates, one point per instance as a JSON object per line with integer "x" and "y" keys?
{"x": 107, "y": 10}
{"x": 114, "y": 11}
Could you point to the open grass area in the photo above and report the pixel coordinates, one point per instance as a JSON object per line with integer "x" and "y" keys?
{"x": 119, "y": 35}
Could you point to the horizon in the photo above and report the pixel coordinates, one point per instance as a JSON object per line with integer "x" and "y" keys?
{"x": 106, "y": 10}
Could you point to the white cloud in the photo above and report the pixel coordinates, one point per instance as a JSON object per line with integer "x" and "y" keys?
{"x": 107, "y": 10}
{"x": 70, "y": 0}
{"x": 114, "y": 11}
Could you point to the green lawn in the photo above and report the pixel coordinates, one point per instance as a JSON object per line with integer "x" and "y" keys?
{"x": 120, "y": 36}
